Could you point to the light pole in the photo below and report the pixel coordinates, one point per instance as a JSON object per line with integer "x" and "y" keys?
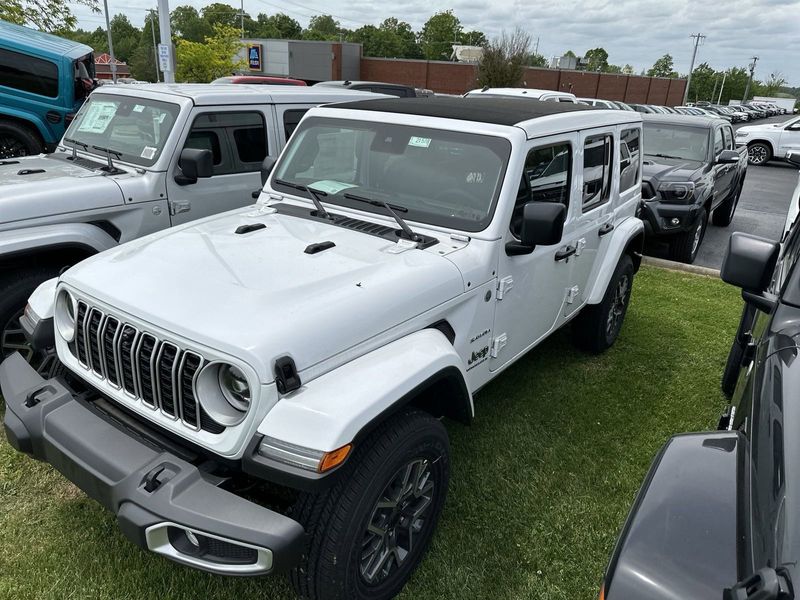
{"x": 112, "y": 63}
{"x": 750, "y": 79}
{"x": 724, "y": 75}
{"x": 168, "y": 65}
{"x": 698, "y": 37}
{"x": 155, "y": 46}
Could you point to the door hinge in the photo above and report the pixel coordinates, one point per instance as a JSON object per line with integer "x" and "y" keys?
{"x": 572, "y": 293}
{"x": 498, "y": 344}
{"x": 505, "y": 284}
{"x": 181, "y": 206}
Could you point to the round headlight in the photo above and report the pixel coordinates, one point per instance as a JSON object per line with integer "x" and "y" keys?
{"x": 224, "y": 393}
{"x": 235, "y": 388}
{"x": 64, "y": 313}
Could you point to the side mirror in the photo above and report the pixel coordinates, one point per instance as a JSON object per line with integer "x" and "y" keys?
{"x": 749, "y": 264}
{"x": 794, "y": 158}
{"x": 266, "y": 168}
{"x": 727, "y": 157}
{"x": 194, "y": 164}
{"x": 542, "y": 225}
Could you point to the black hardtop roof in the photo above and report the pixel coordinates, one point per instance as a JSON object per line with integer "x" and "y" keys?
{"x": 499, "y": 111}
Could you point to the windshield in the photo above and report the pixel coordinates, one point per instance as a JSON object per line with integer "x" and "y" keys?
{"x": 133, "y": 127}
{"x": 445, "y": 178}
{"x": 677, "y": 141}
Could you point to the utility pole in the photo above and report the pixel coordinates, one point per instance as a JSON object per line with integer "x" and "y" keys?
{"x": 714, "y": 93}
{"x": 698, "y": 38}
{"x": 113, "y": 62}
{"x": 724, "y": 75}
{"x": 750, "y": 79}
{"x": 241, "y": 13}
{"x": 165, "y": 32}
{"x": 153, "y": 18}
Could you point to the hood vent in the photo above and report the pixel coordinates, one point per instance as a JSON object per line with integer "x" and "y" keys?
{"x": 375, "y": 229}
{"x": 30, "y": 171}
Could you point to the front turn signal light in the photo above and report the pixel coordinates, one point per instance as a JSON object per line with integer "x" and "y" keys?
{"x": 334, "y": 458}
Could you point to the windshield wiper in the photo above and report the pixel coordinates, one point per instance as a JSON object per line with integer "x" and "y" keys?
{"x": 75, "y": 144}
{"x": 391, "y": 209}
{"x": 109, "y": 152}
{"x": 312, "y": 194}
{"x": 665, "y": 156}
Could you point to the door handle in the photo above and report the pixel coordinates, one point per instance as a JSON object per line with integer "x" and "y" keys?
{"x": 607, "y": 228}
{"x": 565, "y": 253}
{"x": 176, "y": 208}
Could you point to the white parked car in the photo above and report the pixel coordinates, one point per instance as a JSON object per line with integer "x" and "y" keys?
{"x": 400, "y": 257}
{"x": 544, "y": 95}
{"x": 769, "y": 140}
{"x": 598, "y": 103}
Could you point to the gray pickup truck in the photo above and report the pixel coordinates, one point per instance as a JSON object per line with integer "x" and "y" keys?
{"x": 135, "y": 160}
{"x": 692, "y": 171}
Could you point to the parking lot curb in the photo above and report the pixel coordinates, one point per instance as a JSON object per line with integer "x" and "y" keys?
{"x": 676, "y": 266}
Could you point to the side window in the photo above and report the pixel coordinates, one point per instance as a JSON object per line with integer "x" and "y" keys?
{"x": 727, "y": 137}
{"x": 596, "y": 170}
{"x": 566, "y": 100}
{"x": 629, "y": 154}
{"x": 790, "y": 255}
{"x": 203, "y": 139}
{"x": 291, "y": 118}
{"x": 719, "y": 144}
{"x": 545, "y": 178}
{"x": 237, "y": 140}
{"x": 28, "y": 74}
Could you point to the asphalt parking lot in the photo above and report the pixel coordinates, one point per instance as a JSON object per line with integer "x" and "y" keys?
{"x": 761, "y": 211}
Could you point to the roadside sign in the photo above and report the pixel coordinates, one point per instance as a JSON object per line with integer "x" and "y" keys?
{"x": 164, "y": 62}
{"x": 254, "y": 57}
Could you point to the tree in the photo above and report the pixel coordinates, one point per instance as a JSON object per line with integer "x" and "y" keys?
{"x": 143, "y": 62}
{"x": 473, "y": 38}
{"x": 323, "y": 27}
{"x": 662, "y": 67}
{"x": 438, "y": 35}
{"x": 187, "y": 23}
{"x": 596, "y": 59}
{"x": 97, "y": 39}
{"x": 216, "y": 57}
{"x": 277, "y": 26}
{"x": 54, "y": 16}
{"x": 627, "y": 69}
{"x": 771, "y": 86}
{"x": 613, "y": 69}
{"x": 219, "y": 13}
{"x": 126, "y": 37}
{"x": 392, "y": 39}
{"x": 536, "y": 60}
{"x": 503, "y": 61}
{"x": 705, "y": 82}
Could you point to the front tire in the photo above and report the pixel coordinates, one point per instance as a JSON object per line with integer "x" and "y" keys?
{"x": 15, "y": 289}
{"x": 597, "y": 327}
{"x": 18, "y": 140}
{"x": 758, "y": 153}
{"x": 369, "y": 531}
{"x": 685, "y": 246}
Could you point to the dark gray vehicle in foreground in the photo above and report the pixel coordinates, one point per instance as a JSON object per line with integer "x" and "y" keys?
{"x": 718, "y": 516}
{"x": 692, "y": 171}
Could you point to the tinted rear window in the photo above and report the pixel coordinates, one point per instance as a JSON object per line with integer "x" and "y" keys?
{"x": 28, "y": 74}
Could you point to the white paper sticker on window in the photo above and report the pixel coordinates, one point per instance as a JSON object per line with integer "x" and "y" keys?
{"x": 138, "y": 108}
{"x": 331, "y": 187}
{"x": 98, "y": 116}
{"x": 149, "y": 152}
{"x": 419, "y": 142}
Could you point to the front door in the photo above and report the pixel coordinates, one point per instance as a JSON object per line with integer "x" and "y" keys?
{"x": 790, "y": 139}
{"x": 239, "y": 140}
{"x": 724, "y": 174}
{"x": 533, "y": 288}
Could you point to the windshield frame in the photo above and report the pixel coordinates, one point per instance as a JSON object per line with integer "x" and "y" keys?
{"x": 501, "y": 146}
{"x": 72, "y": 132}
{"x": 680, "y": 126}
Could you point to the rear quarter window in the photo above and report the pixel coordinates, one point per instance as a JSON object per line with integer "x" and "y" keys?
{"x": 28, "y": 74}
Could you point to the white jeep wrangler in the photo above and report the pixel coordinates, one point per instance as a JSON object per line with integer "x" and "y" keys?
{"x": 402, "y": 254}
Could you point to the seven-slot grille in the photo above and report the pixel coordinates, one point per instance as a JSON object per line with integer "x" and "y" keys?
{"x": 156, "y": 372}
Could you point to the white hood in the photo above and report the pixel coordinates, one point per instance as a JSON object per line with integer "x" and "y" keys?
{"x": 258, "y": 295}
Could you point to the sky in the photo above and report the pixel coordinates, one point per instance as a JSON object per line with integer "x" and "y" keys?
{"x": 635, "y": 32}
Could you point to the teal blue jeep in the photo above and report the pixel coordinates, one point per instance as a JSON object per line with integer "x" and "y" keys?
{"x": 44, "y": 79}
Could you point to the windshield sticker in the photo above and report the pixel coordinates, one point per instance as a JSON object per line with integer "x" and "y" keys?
{"x": 98, "y": 116}
{"x": 138, "y": 108}
{"x": 419, "y": 142}
{"x": 331, "y": 187}
{"x": 149, "y": 152}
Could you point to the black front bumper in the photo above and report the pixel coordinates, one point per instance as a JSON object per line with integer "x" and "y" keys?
{"x": 156, "y": 495}
{"x": 659, "y": 217}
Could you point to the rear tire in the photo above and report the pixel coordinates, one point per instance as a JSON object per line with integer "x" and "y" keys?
{"x": 18, "y": 140}
{"x": 597, "y": 326}
{"x": 758, "y": 153}
{"x": 369, "y": 531}
{"x": 723, "y": 214}
{"x": 15, "y": 289}
{"x": 684, "y": 246}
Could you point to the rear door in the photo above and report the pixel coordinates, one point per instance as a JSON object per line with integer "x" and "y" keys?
{"x": 790, "y": 139}
{"x": 239, "y": 139}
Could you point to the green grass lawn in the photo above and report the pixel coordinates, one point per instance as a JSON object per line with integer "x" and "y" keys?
{"x": 541, "y": 482}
